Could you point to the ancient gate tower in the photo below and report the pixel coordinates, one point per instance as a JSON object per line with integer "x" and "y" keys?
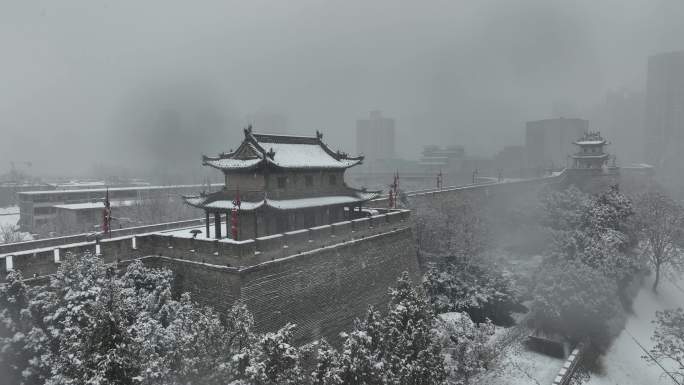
{"x": 282, "y": 183}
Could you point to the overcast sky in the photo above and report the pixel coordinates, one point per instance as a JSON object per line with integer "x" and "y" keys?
{"x": 88, "y": 81}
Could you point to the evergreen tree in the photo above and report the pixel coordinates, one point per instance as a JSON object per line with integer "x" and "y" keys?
{"x": 327, "y": 370}
{"x": 15, "y": 327}
{"x": 466, "y": 345}
{"x": 481, "y": 291}
{"x": 399, "y": 348}
{"x": 274, "y": 360}
{"x": 575, "y": 300}
{"x": 361, "y": 359}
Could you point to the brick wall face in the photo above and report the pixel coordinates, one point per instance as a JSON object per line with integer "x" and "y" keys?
{"x": 208, "y": 285}
{"x": 321, "y": 291}
{"x": 324, "y": 290}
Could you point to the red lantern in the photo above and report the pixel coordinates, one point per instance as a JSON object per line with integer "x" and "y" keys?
{"x": 234, "y": 215}
{"x": 234, "y": 222}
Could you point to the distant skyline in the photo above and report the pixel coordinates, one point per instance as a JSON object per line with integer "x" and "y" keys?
{"x": 87, "y": 82}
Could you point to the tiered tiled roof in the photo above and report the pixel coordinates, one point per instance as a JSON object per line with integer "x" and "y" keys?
{"x": 281, "y": 151}
{"x": 591, "y": 139}
{"x": 214, "y": 201}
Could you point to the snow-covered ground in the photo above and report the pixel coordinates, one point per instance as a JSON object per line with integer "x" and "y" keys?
{"x": 10, "y": 210}
{"x": 9, "y": 216}
{"x": 517, "y": 365}
{"x": 623, "y": 363}
{"x": 9, "y": 220}
{"x": 185, "y": 232}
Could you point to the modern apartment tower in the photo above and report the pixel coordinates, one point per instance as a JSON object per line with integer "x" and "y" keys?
{"x": 664, "y": 123}
{"x": 549, "y": 142}
{"x": 375, "y": 138}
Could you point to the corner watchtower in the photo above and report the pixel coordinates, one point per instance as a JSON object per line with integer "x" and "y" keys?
{"x": 281, "y": 183}
{"x": 591, "y": 154}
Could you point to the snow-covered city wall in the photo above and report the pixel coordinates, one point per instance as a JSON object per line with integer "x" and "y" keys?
{"x": 224, "y": 252}
{"x": 322, "y": 290}
{"x": 76, "y": 238}
{"x": 320, "y": 278}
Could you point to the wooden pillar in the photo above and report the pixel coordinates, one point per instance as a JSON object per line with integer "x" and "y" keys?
{"x": 206, "y": 224}
{"x": 217, "y": 224}
{"x": 256, "y": 224}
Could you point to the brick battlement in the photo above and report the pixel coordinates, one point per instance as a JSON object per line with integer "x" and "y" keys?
{"x": 224, "y": 252}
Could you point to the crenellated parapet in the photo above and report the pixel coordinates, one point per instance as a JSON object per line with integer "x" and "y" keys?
{"x": 223, "y": 252}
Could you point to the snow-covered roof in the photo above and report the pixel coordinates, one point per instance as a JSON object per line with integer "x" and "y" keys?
{"x": 591, "y": 139}
{"x": 228, "y": 205}
{"x": 93, "y": 205}
{"x": 291, "y": 204}
{"x": 590, "y": 142}
{"x": 285, "y": 204}
{"x": 282, "y": 151}
{"x": 232, "y": 163}
{"x": 116, "y": 189}
{"x": 288, "y": 155}
{"x": 587, "y": 156}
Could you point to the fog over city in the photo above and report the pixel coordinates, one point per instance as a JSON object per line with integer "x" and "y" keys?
{"x": 84, "y": 82}
{"x": 359, "y": 192}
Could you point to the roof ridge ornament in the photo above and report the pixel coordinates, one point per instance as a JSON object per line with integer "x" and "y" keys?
{"x": 248, "y": 131}
{"x": 319, "y": 135}
{"x": 271, "y": 153}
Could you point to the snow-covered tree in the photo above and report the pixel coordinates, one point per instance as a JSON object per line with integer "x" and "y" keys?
{"x": 81, "y": 336}
{"x": 573, "y": 299}
{"x": 327, "y": 369}
{"x": 15, "y": 326}
{"x": 661, "y": 223}
{"x": 92, "y": 326}
{"x": 564, "y": 209}
{"x": 398, "y": 348}
{"x": 361, "y": 360}
{"x": 453, "y": 229}
{"x": 480, "y": 290}
{"x": 411, "y": 353}
{"x": 10, "y": 233}
{"x": 598, "y": 231}
{"x": 466, "y": 345}
{"x": 669, "y": 341}
{"x": 273, "y": 360}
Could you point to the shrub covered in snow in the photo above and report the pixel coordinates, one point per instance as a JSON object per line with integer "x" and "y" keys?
{"x": 91, "y": 326}
{"x": 465, "y": 345}
{"x": 94, "y": 325}
{"x": 480, "y": 290}
{"x": 599, "y": 232}
{"x": 575, "y": 300}
{"x": 398, "y": 348}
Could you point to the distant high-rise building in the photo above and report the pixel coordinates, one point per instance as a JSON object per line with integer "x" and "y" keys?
{"x": 510, "y": 161}
{"x": 621, "y": 117}
{"x": 446, "y": 159}
{"x": 549, "y": 142}
{"x": 375, "y": 138}
{"x": 664, "y": 123}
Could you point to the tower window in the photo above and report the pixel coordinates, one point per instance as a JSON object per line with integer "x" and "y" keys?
{"x": 282, "y": 182}
{"x": 332, "y": 180}
{"x": 308, "y": 180}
